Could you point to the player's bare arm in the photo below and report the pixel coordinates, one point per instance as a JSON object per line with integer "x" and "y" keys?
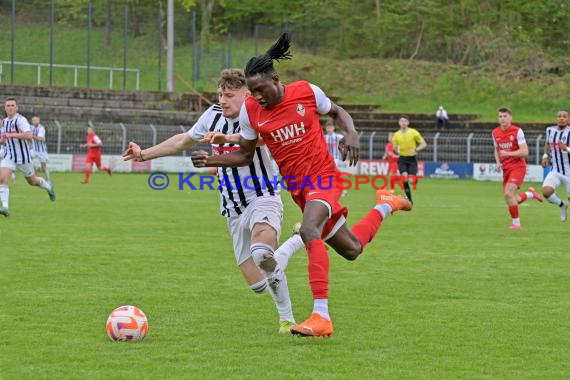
{"x": 349, "y": 145}
{"x": 174, "y": 145}
{"x": 545, "y": 157}
{"x": 497, "y": 157}
{"x": 521, "y": 152}
{"x": 23, "y": 136}
{"x": 242, "y": 157}
{"x": 220, "y": 138}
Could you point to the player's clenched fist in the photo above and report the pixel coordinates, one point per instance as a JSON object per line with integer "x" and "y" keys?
{"x": 199, "y": 158}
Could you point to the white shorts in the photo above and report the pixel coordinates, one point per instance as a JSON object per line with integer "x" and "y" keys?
{"x": 268, "y": 209}
{"x": 41, "y": 156}
{"x": 26, "y": 169}
{"x": 554, "y": 179}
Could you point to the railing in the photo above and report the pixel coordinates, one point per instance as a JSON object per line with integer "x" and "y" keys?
{"x": 75, "y": 69}
{"x": 442, "y": 146}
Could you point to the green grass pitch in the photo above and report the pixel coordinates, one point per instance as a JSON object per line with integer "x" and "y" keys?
{"x": 444, "y": 292}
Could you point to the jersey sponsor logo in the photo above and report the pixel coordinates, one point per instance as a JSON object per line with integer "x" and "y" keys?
{"x": 301, "y": 110}
{"x": 292, "y": 131}
{"x": 507, "y": 145}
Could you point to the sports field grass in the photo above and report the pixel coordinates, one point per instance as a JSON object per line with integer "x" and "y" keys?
{"x": 444, "y": 292}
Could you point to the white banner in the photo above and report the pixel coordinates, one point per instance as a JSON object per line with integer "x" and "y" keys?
{"x": 60, "y": 162}
{"x": 64, "y": 163}
{"x": 488, "y": 172}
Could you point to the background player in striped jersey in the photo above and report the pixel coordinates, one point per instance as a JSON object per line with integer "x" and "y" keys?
{"x": 557, "y": 152}
{"x": 333, "y": 142}
{"x": 39, "y": 146}
{"x": 510, "y": 152}
{"x": 15, "y": 134}
{"x": 254, "y": 213}
{"x": 2, "y": 150}
{"x": 93, "y": 145}
{"x": 286, "y": 116}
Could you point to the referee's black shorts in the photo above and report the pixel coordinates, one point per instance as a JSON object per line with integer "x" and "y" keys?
{"x": 408, "y": 164}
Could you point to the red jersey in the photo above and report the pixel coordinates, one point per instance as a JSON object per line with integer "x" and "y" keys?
{"x": 510, "y": 141}
{"x": 393, "y": 157}
{"x": 292, "y": 131}
{"x": 93, "y": 139}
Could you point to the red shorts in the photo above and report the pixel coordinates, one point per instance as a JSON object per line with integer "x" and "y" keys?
{"x": 94, "y": 159}
{"x": 322, "y": 192}
{"x": 514, "y": 175}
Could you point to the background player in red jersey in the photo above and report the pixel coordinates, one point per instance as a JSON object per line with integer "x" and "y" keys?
{"x": 510, "y": 151}
{"x": 391, "y": 155}
{"x": 286, "y": 117}
{"x": 93, "y": 146}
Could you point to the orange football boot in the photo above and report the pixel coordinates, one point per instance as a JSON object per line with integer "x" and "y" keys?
{"x": 316, "y": 325}
{"x": 397, "y": 202}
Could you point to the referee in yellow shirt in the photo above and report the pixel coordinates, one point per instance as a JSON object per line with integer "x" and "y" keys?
{"x": 409, "y": 142}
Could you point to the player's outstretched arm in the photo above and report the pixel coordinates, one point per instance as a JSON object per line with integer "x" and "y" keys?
{"x": 220, "y": 138}
{"x": 349, "y": 145}
{"x": 242, "y": 157}
{"x": 174, "y": 145}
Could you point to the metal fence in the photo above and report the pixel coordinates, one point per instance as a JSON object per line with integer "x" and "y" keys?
{"x": 442, "y": 146}
{"x": 103, "y": 44}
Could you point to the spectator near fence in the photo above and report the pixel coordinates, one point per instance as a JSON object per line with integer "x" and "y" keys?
{"x": 441, "y": 117}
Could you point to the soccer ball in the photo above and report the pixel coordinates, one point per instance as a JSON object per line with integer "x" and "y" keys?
{"x": 127, "y": 323}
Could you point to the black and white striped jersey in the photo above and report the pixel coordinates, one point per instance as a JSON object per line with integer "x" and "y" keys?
{"x": 238, "y": 186}
{"x": 39, "y": 146}
{"x": 559, "y": 157}
{"x": 332, "y": 144}
{"x": 16, "y": 149}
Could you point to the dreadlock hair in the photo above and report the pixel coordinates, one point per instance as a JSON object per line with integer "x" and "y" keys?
{"x": 263, "y": 64}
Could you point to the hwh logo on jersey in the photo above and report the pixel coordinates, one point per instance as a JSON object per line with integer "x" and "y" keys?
{"x": 508, "y": 145}
{"x": 287, "y": 133}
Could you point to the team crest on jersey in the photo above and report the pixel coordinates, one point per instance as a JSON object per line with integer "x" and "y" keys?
{"x": 301, "y": 110}
{"x": 512, "y": 137}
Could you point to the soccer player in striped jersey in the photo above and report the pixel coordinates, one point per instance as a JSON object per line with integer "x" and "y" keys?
{"x": 510, "y": 152}
{"x": 15, "y": 135}
{"x": 39, "y": 146}
{"x": 286, "y": 117}
{"x": 557, "y": 151}
{"x": 251, "y": 205}
{"x": 333, "y": 140}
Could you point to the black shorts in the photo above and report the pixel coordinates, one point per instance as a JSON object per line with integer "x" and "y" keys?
{"x": 408, "y": 164}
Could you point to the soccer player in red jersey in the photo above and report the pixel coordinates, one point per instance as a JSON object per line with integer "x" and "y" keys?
{"x": 286, "y": 117}
{"x": 392, "y": 156}
{"x": 510, "y": 152}
{"x": 93, "y": 146}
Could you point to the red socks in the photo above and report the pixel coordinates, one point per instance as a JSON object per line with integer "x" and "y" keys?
{"x": 514, "y": 210}
{"x": 367, "y": 227}
{"x": 87, "y": 175}
{"x": 523, "y": 197}
{"x": 318, "y": 268}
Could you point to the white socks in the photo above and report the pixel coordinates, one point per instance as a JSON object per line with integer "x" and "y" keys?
{"x": 46, "y": 173}
{"x": 555, "y": 200}
{"x": 287, "y": 249}
{"x": 263, "y": 256}
{"x": 259, "y": 287}
{"x": 517, "y": 221}
{"x": 4, "y": 195}
{"x": 384, "y": 209}
{"x": 321, "y": 306}
{"x": 44, "y": 184}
